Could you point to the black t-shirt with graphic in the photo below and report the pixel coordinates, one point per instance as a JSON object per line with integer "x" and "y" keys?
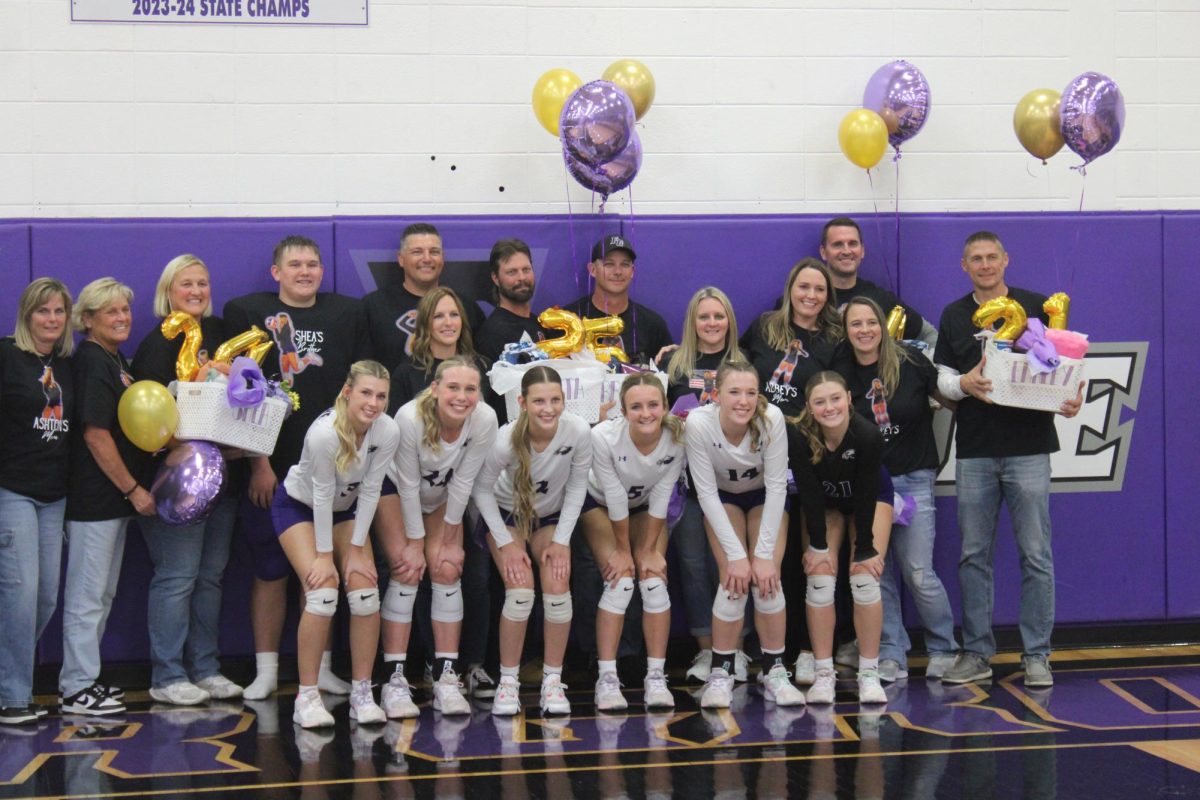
{"x": 989, "y": 430}
{"x": 783, "y": 373}
{"x": 645, "y": 331}
{"x": 101, "y": 378}
{"x": 905, "y": 419}
{"x": 702, "y": 381}
{"x": 886, "y": 300}
{"x": 409, "y": 380}
{"x": 391, "y": 319}
{"x": 314, "y": 348}
{"x": 37, "y": 396}
{"x": 504, "y": 327}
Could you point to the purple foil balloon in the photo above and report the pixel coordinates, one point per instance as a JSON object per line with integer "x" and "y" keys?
{"x": 1092, "y": 113}
{"x": 596, "y": 123}
{"x": 611, "y": 177}
{"x": 899, "y": 93}
{"x": 188, "y": 483}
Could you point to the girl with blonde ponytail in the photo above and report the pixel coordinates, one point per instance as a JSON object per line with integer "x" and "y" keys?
{"x": 636, "y": 461}
{"x": 322, "y": 513}
{"x": 529, "y": 493}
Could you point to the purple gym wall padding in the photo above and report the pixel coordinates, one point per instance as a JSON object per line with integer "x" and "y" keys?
{"x": 14, "y": 270}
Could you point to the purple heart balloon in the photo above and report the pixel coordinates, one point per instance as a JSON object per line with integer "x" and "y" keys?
{"x": 899, "y": 93}
{"x": 611, "y": 177}
{"x": 188, "y": 483}
{"x": 596, "y": 123}
{"x": 1092, "y": 113}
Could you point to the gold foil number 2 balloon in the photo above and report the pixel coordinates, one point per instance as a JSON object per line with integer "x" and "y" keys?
{"x": 579, "y": 333}
{"x": 1002, "y": 308}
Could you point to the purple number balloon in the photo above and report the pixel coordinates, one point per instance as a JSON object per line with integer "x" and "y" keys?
{"x": 188, "y": 483}
{"x": 899, "y": 93}
{"x": 611, "y": 177}
{"x": 1092, "y": 113}
{"x": 596, "y": 123}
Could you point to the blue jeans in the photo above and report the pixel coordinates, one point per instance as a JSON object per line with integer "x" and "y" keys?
{"x": 31, "y": 537}
{"x": 698, "y": 573}
{"x": 1024, "y": 483}
{"x": 184, "y": 611}
{"x": 94, "y": 554}
{"x": 911, "y": 549}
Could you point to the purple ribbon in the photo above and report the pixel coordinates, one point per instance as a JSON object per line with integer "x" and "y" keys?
{"x": 1040, "y": 351}
{"x": 904, "y": 508}
{"x": 247, "y": 387}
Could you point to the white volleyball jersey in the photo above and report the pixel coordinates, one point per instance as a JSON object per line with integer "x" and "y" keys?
{"x": 717, "y": 465}
{"x": 425, "y": 479}
{"x": 623, "y": 478}
{"x": 316, "y": 482}
{"x": 559, "y": 473}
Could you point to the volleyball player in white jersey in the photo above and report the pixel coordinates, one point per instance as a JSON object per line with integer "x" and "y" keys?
{"x": 737, "y": 452}
{"x": 529, "y": 493}
{"x": 322, "y": 514}
{"x": 445, "y": 435}
{"x": 636, "y": 461}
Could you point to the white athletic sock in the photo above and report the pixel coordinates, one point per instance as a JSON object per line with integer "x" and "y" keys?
{"x": 605, "y": 666}
{"x": 266, "y": 681}
{"x": 327, "y": 680}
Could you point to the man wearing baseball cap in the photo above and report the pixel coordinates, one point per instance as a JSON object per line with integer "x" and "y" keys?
{"x": 612, "y": 268}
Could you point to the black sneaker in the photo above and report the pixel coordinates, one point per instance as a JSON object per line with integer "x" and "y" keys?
{"x": 115, "y": 692}
{"x": 93, "y": 701}
{"x": 40, "y": 710}
{"x": 17, "y": 715}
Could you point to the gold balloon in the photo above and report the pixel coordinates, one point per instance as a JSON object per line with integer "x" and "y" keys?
{"x": 559, "y": 319}
{"x": 1002, "y": 308}
{"x": 594, "y": 329}
{"x": 550, "y": 94}
{"x": 243, "y": 342}
{"x": 1057, "y": 307}
{"x": 896, "y": 320}
{"x": 635, "y": 79}
{"x": 148, "y": 415}
{"x": 259, "y": 351}
{"x": 1037, "y": 123}
{"x": 863, "y": 137}
{"x": 188, "y": 362}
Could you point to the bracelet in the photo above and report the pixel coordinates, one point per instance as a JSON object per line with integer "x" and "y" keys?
{"x": 136, "y": 486}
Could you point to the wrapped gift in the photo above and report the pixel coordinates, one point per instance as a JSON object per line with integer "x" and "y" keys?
{"x": 587, "y": 384}
{"x": 1016, "y": 382}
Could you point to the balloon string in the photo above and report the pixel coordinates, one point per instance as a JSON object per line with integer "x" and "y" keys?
{"x": 896, "y": 161}
{"x": 1057, "y": 273}
{"x": 879, "y": 226}
{"x": 571, "y": 228}
{"x": 632, "y": 306}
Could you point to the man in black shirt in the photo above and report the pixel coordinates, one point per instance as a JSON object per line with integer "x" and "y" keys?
{"x": 511, "y": 265}
{"x": 612, "y": 268}
{"x": 842, "y": 250}
{"x": 1003, "y": 454}
{"x": 392, "y": 313}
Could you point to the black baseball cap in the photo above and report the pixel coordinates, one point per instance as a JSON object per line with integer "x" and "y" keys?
{"x": 610, "y": 243}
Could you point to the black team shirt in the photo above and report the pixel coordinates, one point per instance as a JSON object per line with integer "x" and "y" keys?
{"x": 645, "y": 331}
{"x": 37, "y": 396}
{"x": 783, "y": 373}
{"x": 391, "y": 320}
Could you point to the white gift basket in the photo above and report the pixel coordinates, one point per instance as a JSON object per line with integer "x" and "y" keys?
{"x": 204, "y": 413}
{"x": 587, "y": 384}
{"x": 1014, "y": 383}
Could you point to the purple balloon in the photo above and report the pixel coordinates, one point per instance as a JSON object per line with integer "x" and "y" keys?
{"x": 1092, "y": 113}
{"x": 596, "y": 123}
{"x": 188, "y": 483}
{"x": 611, "y": 177}
{"x": 899, "y": 93}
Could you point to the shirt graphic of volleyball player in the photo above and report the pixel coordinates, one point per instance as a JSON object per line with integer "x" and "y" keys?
{"x": 53, "y": 393}
{"x": 291, "y": 362}
{"x": 783, "y": 373}
{"x": 406, "y": 323}
{"x": 879, "y": 408}
{"x": 706, "y": 381}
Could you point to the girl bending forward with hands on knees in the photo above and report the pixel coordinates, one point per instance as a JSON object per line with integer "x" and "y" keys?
{"x": 322, "y": 513}
{"x": 837, "y": 461}
{"x": 636, "y": 461}
{"x": 445, "y": 436}
{"x": 530, "y": 493}
{"x": 737, "y": 455}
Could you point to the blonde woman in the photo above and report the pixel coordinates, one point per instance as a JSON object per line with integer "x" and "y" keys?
{"x": 322, "y": 514}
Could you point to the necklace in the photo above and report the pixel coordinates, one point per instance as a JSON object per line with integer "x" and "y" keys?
{"x": 118, "y": 360}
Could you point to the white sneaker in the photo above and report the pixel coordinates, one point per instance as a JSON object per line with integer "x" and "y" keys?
{"x": 554, "y": 695}
{"x": 608, "y": 693}
{"x": 890, "y": 671}
{"x": 741, "y": 667}
{"x": 447, "y": 695}
{"x": 656, "y": 693}
{"x": 939, "y": 663}
{"x": 823, "y": 689}
{"x": 363, "y": 707}
{"x": 870, "y": 690}
{"x": 806, "y": 669}
{"x": 397, "y": 698}
{"x": 219, "y": 687}
{"x": 718, "y": 691}
{"x": 507, "y": 701}
{"x": 847, "y": 654}
{"x": 180, "y": 693}
{"x": 479, "y": 684}
{"x": 778, "y": 688}
{"x": 310, "y": 711}
{"x": 701, "y": 665}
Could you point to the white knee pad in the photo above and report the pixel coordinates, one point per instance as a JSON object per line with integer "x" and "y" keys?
{"x": 557, "y": 607}
{"x": 864, "y": 589}
{"x": 447, "y": 605}
{"x": 655, "y": 599}
{"x": 321, "y": 602}
{"x": 518, "y": 604}
{"x": 616, "y": 601}
{"x": 819, "y": 593}
{"x": 363, "y": 602}
{"x": 398, "y": 601}
{"x": 769, "y": 605}
{"x": 727, "y": 609}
